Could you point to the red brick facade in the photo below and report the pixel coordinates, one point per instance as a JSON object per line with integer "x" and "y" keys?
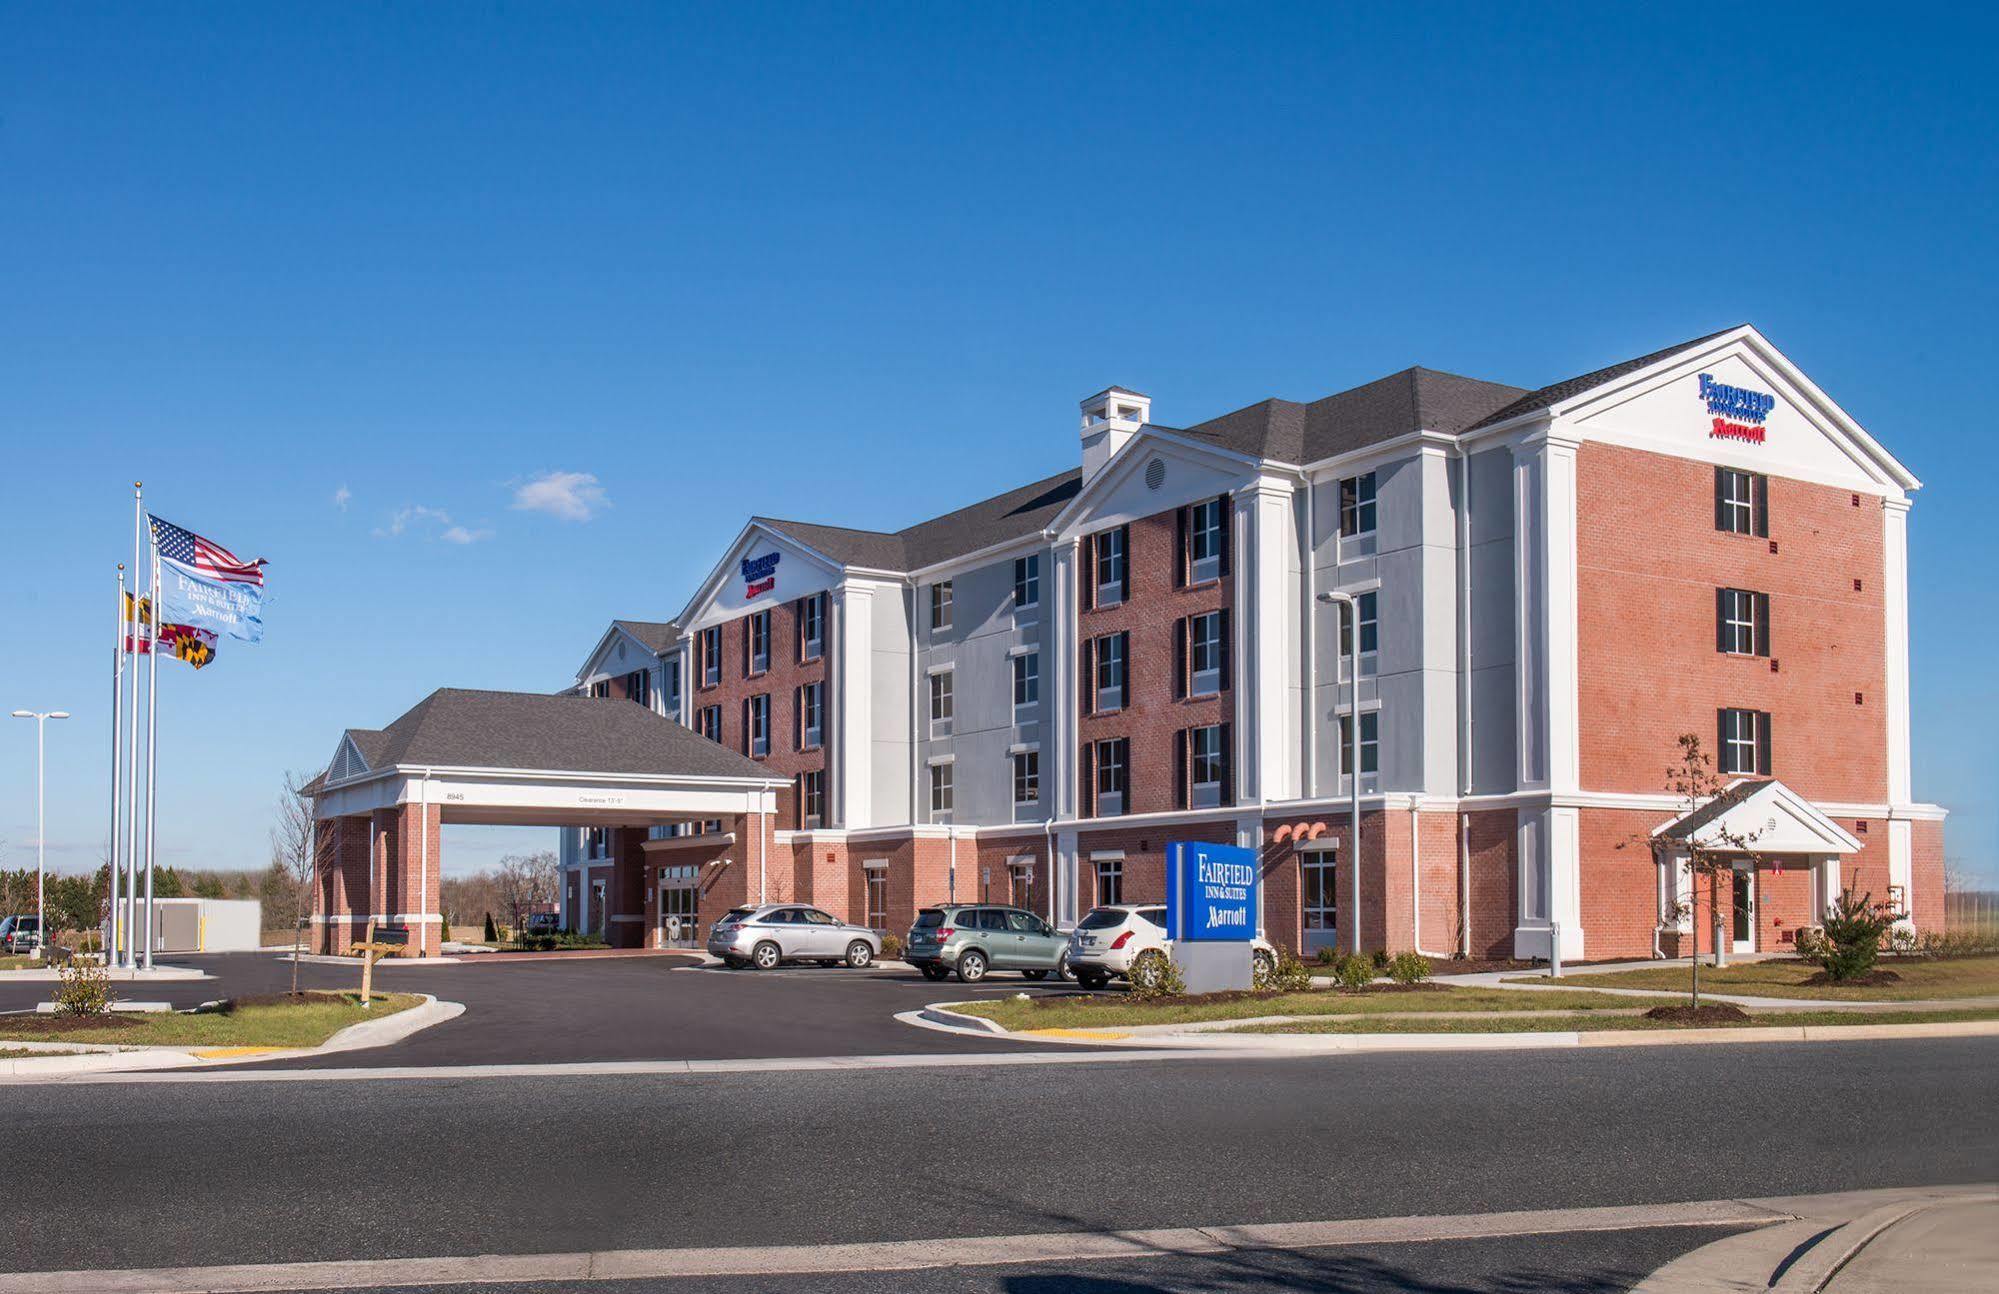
{"x": 388, "y": 865}
{"x": 781, "y": 682}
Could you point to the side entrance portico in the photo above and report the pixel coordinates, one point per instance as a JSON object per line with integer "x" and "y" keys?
{"x": 521, "y": 759}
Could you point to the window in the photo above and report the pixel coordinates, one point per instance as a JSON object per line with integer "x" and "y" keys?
{"x": 1111, "y": 671}
{"x": 811, "y": 800}
{"x": 1207, "y": 757}
{"x": 811, "y": 716}
{"x": 812, "y": 627}
{"x": 1745, "y": 742}
{"x": 1026, "y": 777}
{"x": 1204, "y": 541}
{"x": 877, "y": 878}
{"x": 1741, "y": 502}
{"x": 1112, "y": 566}
{"x": 759, "y": 644}
{"x": 940, "y": 605}
{"x": 942, "y": 703}
{"x": 1357, "y": 505}
{"x": 1741, "y": 622}
{"x": 638, "y": 686}
{"x": 990, "y": 919}
{"x": 597, "y": 842}
{"x": 756, "y": 724}
{"x": 708, "y": 722}
{"x": 1021, "y": 874}
{"x": 1110, "y": 881}
{"x": 601, "y": 689}
{"x": 1206, "y": 635}
{"x": 1370, "y": 743}
{"x": 711, "y": 656}
{"x": 1318, "y": 877}
{"x": 1370, "y": 633}
{"x": 940, "y": 792}
{"x": 671, "y": 672}
{"x": 1026, "y": 581}
{"x": 1113, "y": 776}
{"x": 1026, "y": 679}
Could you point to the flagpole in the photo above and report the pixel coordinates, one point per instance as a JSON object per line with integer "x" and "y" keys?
{"x": 132, "y": 758}
{"x": 117, "y": 732}
{"x": 152, "y": 749}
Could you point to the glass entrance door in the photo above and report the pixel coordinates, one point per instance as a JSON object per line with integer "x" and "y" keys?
{"x": 679, "y": 907}
{"x": 1744, "y": 929}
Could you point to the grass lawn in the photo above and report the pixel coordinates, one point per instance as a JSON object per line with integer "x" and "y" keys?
{"x": 258, "y": 1023}
{"x": 1970, "y": 977}
{"x": 1111, "y": 1012}
{"x": 14, "y": 961}
{"x": 1566, "y": 1023}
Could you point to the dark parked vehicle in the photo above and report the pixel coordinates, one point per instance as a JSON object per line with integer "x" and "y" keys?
{"x": 20, "y": 934}
{"x": 974, "y": 939}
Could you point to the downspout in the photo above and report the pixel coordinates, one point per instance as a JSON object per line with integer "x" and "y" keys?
{"x": 951, "y": 877}
{"x": 1048, "y": 860}
{"x": 763, "y": 871}
{"x": 1311, "y": 786}
{"x": 1466, "y": 766}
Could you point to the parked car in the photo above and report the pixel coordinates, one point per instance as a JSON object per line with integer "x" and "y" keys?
{"x": 765, "y": 935}
{"x": 541, "y": 923}
{"x": 20, "y": 934}
{"x": 1128, "y": 941}
{"x": 974, "y": 939}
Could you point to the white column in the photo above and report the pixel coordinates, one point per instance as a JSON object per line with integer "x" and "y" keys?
{"x": 1895, "y": 595}
{"x": 853, "y": 691}
{"x": 1059, "y": 643}
{"x": 1265, "y": 712}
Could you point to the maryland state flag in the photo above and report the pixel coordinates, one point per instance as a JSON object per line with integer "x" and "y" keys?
{"x": 186, "y": 642}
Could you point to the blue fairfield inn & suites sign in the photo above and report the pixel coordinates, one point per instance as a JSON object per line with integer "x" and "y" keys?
{"x": 1211, "y": 892}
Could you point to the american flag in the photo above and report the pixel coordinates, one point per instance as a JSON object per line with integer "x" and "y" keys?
{"x": 204, "y": 556}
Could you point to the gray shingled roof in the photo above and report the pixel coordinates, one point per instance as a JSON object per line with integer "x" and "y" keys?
{"x": 1550, "y": 396}
{"x": 458, "y": 727}
{"x": 657, "y": 635}
{"x": 1016, "y": 513}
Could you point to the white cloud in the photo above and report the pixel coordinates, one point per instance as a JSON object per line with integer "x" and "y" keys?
{"x": 435, "y": 522}
{"x": 460, "y": 535}
{"x": 572, "y": 496}
{"x": 341, "y": 497}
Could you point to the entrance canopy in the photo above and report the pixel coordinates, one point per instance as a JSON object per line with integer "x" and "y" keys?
{"x": 524, "y": 759}
{"x": 1771, "y": 816}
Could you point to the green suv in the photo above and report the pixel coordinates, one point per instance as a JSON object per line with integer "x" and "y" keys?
{"x": 975, "y": 939}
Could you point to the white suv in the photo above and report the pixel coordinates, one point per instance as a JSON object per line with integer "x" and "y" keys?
{"x": 1129, "y": 942}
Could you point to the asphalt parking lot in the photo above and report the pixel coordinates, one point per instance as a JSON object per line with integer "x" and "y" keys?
{"x": 665, "y": 1007}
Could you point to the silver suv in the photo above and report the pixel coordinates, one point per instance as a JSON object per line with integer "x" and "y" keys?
{"x": 974, "y": 938}
{"x": 771, "y": 933}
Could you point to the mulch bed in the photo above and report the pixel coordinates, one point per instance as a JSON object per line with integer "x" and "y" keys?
{"x": 1232, "y": 995}
{"x": 1872, "y": 979}
{"x": 1706, "y": 1013}
{"x": 81, "y": 1023}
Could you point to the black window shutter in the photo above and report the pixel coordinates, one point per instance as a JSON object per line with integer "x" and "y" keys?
{"x": 1228, "y": 763}
{"x": 1086, "y": 674}
{"x": 1228, "y": 653}
{"x": 1181, "y": 554}
{"x": 1721, "y": 642}
{"x": 1124, "y": 548}
{"x": 798, "y": 718}
{"x": 1721, "y": 517}
{"x": 1086, "y": 582}
{"x": 746, "y": 725}
{"x": 1722, "y": 756}
{"x": 1763, "y": 742}
{"x": 1227, "y": 528}
{"x": 1762, "y": 601}
{"x": 1124, "y": 655}
{"x": 1181, "y": 775}
{"x": 1759, "y": 492}
{"x": 1087, "y": 768}
{"x": 1180, "y": 658}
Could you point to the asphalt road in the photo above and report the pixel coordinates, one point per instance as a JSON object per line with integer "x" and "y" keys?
{"x": 608, "y": 1009}
{"x": 201, "y": 1172}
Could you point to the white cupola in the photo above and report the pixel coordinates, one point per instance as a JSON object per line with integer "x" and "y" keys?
{"x": 1110, "y": 418}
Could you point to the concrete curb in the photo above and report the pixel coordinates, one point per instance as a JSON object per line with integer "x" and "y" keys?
{"x": 157, "y": 975}
{"x": 100, "y": 1058}
{"x": 938, "y": 1015}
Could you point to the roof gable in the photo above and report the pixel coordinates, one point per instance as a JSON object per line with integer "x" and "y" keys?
{"x": 1154, "y": 472}
{"x": 765, "y": 566}
{"x": 1771, "y": 816}
{"x": 628, "y": 645}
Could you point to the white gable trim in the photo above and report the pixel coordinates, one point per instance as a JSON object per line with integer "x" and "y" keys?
{"x": 1782, "y": 822}
{"x": 594, "y": 666}
{"x": 1145, "y": 445}
{"x": 701, "y": 612}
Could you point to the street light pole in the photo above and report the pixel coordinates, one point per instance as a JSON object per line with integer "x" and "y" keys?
{"x": 1352, "y": 607}
{"x": 41, "y": 718}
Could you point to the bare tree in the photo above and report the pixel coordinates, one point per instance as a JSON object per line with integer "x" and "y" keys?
{"x": 297, "y": 853}
{"x": 1708, "y": 850}
{"x": 525, "y": 881}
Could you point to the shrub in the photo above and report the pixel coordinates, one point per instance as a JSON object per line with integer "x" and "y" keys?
{"x": 83, "y": 988}
{"x": 1902, "y": 942}
{"x": 1284, "y": 974}
{"x": 1946, "y": 944}
{"x": 1854, "y": 925}
{"x": 1408, "y": 968}
{"x": 1328, "y": 955}
{"x": 1380, "y": 958}
{"x": 892, "y": 948}
{"x": 1156, "y": 976}
{"x": 492, "y": 932}
{"x": 1812, "y": 945}
{"x": 1354, "y": 971}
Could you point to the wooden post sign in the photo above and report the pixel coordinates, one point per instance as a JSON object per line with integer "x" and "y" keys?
{"x": 385, "y": 941}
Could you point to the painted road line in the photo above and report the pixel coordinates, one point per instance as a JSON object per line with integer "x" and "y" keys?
{"x": 898, "y": 1255}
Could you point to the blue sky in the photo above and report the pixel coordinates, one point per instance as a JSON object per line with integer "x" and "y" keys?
{"x": 309, "y": 270}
